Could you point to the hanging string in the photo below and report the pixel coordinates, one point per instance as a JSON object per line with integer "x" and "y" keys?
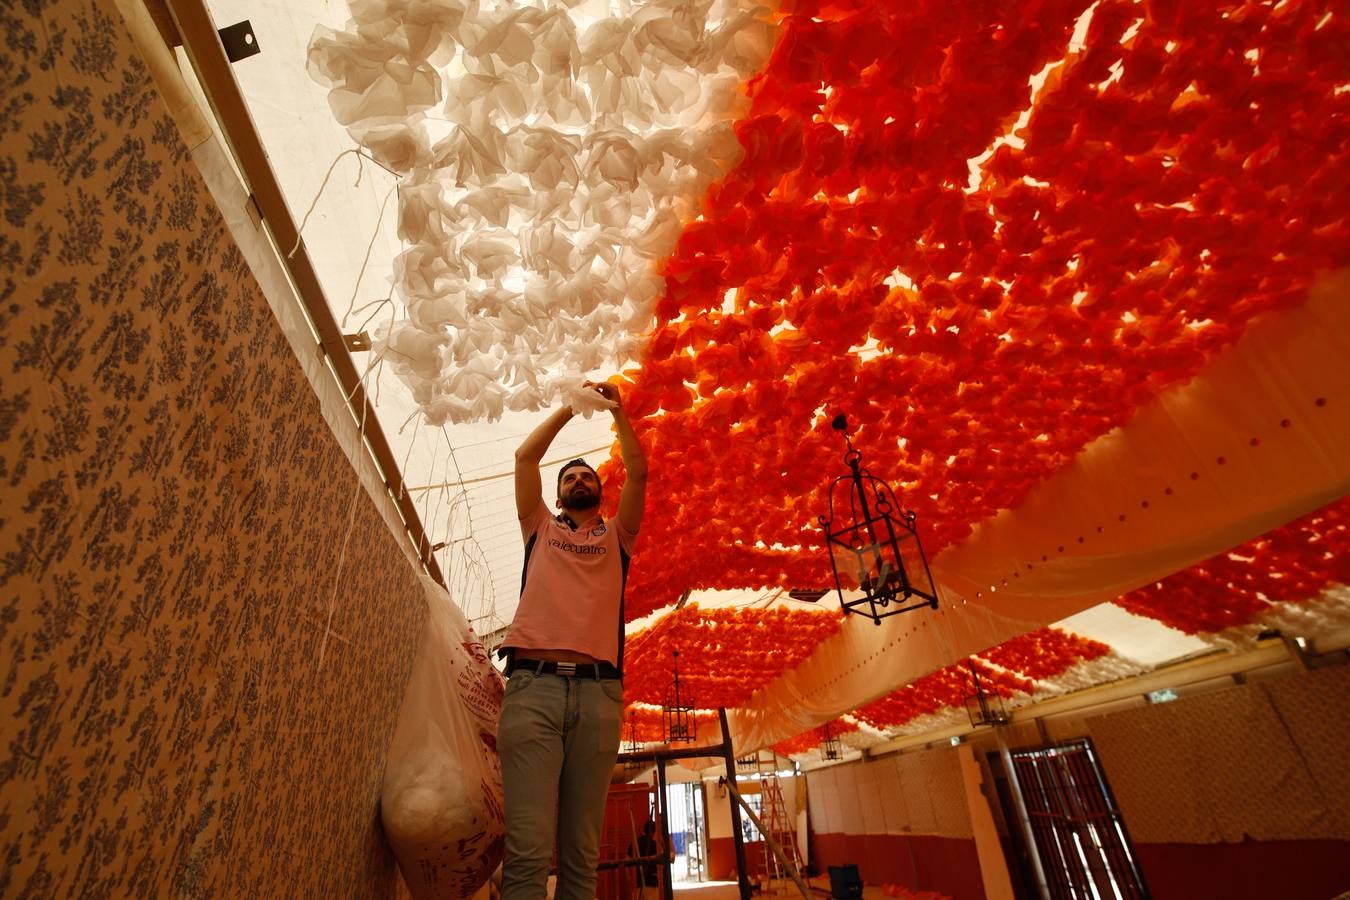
{"x": 471, "y": 536}
{"x": 365, "y": 261}
{"x": 360, "y": 155}
{"x": 347, "y": 532}
{"x": 357, "y": 457}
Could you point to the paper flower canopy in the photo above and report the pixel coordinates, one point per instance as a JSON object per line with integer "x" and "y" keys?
{"x": 810, "y": 740}
{"x": 1293, "y": 563}
{"x": 984, "y": 276}
{"x": 547, "y": 156}
{"x": 725, "y": 654}
{"x": 648, "y": 725}
{"x": 1018, "y": 665}
{"x": 989, "y": 234}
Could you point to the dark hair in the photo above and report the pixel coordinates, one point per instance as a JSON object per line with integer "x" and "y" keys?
{"x": 576, "y": 462}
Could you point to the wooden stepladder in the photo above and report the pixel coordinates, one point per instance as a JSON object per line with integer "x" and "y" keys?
{"x": 777, "y": 824}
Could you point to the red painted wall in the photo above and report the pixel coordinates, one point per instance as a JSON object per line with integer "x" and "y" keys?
{"x": 1289, "y": 870}
{"x": 917, "y": 861}
{"x": 722, "y": 859}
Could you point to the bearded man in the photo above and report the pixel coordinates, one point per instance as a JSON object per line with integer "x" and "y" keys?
{"x": 563, "y": 710}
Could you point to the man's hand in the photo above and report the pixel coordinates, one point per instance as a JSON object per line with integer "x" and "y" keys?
{"x": 608, "y": 391}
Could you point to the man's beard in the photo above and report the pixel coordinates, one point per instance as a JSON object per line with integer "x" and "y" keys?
{"x": 580, "y": 502}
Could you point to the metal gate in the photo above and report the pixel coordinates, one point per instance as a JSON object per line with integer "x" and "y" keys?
{"x": 1080, "y": 837}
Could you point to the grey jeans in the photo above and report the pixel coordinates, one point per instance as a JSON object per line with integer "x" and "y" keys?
{"x": 558, "y": 739}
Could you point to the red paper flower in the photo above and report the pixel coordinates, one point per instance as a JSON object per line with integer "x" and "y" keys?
{"x": 1167, "y": 190}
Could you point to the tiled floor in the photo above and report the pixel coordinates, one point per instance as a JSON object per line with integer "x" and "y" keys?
{"x": 730, "y": 890}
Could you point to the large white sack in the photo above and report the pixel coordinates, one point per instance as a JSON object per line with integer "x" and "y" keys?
{"x": 442, "y": 795}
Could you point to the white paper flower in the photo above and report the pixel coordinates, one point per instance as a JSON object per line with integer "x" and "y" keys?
{"x": 575, "y": 141}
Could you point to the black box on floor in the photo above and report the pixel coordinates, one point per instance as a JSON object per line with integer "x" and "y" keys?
{"x": 845, "y": 883}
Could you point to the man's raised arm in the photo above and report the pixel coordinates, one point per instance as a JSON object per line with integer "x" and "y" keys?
{"x": 529, "y": 486}
{"x": 634, "y": 494}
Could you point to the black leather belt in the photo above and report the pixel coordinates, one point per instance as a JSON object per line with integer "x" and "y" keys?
{"x": 564, "y": 669}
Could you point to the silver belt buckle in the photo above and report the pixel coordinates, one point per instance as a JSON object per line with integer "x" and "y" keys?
{"x": 566, "y": 669}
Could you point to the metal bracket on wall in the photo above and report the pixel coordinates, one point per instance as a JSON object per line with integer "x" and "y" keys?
{"x": 239, "y": 41}
{"x": 255, "y": 214}
{"x": 357, "y": 343}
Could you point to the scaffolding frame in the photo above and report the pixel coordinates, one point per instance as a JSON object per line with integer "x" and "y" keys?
{"x": 663, "y": 756}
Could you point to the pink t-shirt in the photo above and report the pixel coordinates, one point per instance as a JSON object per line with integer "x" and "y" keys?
{"x": 571, "y": 595}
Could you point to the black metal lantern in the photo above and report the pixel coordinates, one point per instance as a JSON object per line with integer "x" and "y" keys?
{"x": 983, "y": 708}
{"x": 679, "y": 711}
{"x": 829, "y": 744}
{"x": 876, "y": 548}
{"x": 632, "y": 746}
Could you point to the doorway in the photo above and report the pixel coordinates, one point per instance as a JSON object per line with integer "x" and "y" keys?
{"x": 1080, "y": 835}
{"x": 687, "y": 831}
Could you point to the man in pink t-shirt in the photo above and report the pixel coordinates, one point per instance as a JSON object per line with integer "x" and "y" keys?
{"x": 563, "y": 711}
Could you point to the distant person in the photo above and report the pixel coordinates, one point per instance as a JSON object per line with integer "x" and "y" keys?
{"x": 647, "y": 846}
{"x": 563, "y": 709}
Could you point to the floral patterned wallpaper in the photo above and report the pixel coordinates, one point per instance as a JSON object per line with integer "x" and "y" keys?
{"x": 196, "y": 694}
{"x": 1263, "y": 760}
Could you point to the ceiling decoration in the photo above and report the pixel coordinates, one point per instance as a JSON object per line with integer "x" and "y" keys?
{"x": 547, "y": 157}
{"x": 1017, "y": 665}
{"x": 987, "y": 233}
{"x": 725, "y": 654}
{"x": 647, "y": 725}
{"x": 1172, "y": 177}
{"x": 1293, "y": 563}
{"x": 810, "y": 740}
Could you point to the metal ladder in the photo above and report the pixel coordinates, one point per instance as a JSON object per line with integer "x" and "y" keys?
{"x": 776, "y": 823}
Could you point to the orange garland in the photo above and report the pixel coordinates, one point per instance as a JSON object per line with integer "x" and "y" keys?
{"x": 809, "y": 740}
{"x": 1292, "y": 563}
{"x": 649, "y": 725}
{"x": 1043, "y": 653}
{"x": 1037, "y": 655}
{"x": 947, "y": 687}
{"x": 1169, "y": 189}
{"x": 1181, "y": 173}
{"x": 725, "y": 654}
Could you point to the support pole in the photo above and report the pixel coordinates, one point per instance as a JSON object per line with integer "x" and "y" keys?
{"x": 667, "y": 888}
{"x": 1023, "y": 820}
{"x": 729, "y": 757}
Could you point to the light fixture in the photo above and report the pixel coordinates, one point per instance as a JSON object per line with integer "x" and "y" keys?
{"x": 876, "y": 548}
{"x": 679, "y": 710}
{"x": 829, "y": 744}
{"x": 632, "y": 765}
{"x": 984, "y": 708}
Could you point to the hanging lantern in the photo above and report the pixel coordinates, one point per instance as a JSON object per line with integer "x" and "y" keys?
{"x": 679, "y": 711}
{"x": 829, "y": 745}
{"x": 632, "y": 746}
{"x": 875, "y": 549}
{"x": 984, "y": 708}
